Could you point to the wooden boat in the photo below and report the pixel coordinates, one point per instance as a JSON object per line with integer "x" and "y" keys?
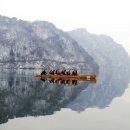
{"x": 79, "y": 77}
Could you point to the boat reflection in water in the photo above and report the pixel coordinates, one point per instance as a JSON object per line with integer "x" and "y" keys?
{"x": 66, "y": 81}
{"x": 61, "y": 81}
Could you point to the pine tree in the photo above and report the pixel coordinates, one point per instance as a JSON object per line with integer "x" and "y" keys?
{"x": 12, "y": 56}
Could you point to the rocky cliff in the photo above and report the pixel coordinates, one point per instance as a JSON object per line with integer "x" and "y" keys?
{"x": 40, "y": 44}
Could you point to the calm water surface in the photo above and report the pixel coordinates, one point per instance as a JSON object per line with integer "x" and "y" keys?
{"x": 27, "y": 103}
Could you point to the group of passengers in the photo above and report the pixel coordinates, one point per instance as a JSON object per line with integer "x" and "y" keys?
{"x": 58, "y": 72}
{"x": 63, "y": 72}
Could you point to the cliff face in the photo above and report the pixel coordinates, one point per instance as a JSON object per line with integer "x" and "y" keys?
{"x": 114, "y": 69}
{"x": 39, "y": 44}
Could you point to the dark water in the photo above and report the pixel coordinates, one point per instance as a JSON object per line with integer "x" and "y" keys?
{"x": 27, "y": 103}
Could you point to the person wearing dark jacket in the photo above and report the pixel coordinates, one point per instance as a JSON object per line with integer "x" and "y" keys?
{"x": 74, "y": 72}
{"x": 43, "y": 72}
{"x": 63, "y": 72}
{"x": 51, "y": 72}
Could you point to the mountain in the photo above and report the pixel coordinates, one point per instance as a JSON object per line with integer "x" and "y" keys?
{"x": 100, "y": 46}
{"x": 40, "y": 44}
{"x": 105, "y": 51}
{"x": 114, "y": 69}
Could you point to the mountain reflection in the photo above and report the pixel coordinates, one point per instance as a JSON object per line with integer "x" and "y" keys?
{"x": 23, "y": 95}
{"x": 111, "y": 82}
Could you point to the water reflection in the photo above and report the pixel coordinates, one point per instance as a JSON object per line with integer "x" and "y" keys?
{"x": 60, "y": 81}
{"x": 23, "y": 95}
{"x": 112, "y": 82}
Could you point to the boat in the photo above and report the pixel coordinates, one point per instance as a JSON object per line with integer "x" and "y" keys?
{"x": 79, "y": 77}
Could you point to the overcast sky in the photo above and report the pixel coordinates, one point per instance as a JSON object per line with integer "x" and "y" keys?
{"x": 111, "y": 17}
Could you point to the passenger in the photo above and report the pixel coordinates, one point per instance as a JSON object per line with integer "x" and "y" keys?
{"x": 58, "y": 72}
{"x": 50, "y": 71}
{"x": 69, "y": 73}
{"x": 54, "y": 71}
{"x": 75, "y": 72}
{"x": 62, "y": 72}
{"x": 43, "y": 72}
{"x": 65, "y": 72}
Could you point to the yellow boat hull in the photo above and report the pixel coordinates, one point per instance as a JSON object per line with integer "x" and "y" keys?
{"x": 79, "y": 77}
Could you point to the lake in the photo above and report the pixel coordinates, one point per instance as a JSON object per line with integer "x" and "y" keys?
{"x": 28, "y": 103}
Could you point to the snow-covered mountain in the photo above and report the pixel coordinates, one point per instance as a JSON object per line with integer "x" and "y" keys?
{"x": 40, "y": 44}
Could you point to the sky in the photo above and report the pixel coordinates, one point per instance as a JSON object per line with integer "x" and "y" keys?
{"x": 110, "y": 17}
